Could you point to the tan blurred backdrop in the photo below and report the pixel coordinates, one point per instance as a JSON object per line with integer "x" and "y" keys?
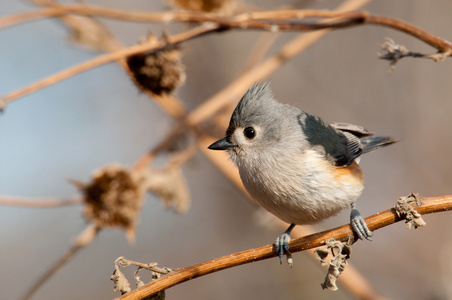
{"x": 99, "y": 117}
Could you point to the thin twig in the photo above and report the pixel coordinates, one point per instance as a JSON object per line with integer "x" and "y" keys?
{"x": 58, "y": 10}
{"x": 83, "y": 239}
{"x": 29, "y": 16}
{"x": 123, "y": 262}
{"x": 343, "y": 233}
{"x": 39, "y": 202}
{"x": 103, "y": 59}
{"x": 222, "y": 23}
{"x": 438, "y": 43}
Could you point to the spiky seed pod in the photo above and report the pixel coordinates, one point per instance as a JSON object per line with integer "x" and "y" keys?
{"x": 113, "y": 198}
{"x": 159, "y": 72}
{"x": 226, "y": 7}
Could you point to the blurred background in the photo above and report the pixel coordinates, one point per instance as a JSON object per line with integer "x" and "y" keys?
{"x": 98, "y": 117}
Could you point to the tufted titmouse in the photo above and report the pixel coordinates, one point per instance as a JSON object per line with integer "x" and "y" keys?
{"x": 294, "y": 164}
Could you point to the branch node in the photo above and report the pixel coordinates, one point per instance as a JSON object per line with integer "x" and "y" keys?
{"x": 393, "y": 52}
{"x": 440, "y": 56}
{"x": 404, "y": 209}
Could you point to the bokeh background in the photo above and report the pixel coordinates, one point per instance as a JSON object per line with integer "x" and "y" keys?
{"x": 99, "y": 117}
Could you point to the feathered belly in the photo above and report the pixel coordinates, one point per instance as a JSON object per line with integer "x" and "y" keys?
{"x": 301, "y": 197}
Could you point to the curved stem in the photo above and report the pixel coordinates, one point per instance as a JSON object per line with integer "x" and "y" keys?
{"x": 343, "y": 233}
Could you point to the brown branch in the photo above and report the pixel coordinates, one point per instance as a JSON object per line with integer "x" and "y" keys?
{"x": 39, "y": 202}
{"x": 241, "y": 22}
{"x": 435, "y": 42}
{"x": 58, "y": 10}
{"x": 248, "y": 20}
{"x": 343, "y": 233}
{"x": 29, "y": 16}
{"x": 103, "y": 59}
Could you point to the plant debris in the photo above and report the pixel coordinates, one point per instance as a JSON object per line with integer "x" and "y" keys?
{"x": 225, "y": 7}
{"x": 404, "y": 209}
{"x": 122, "y": 284}
{"x": 341, "y": 253}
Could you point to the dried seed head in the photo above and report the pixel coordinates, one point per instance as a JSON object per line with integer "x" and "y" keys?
{"x": 226, "y": 7}
{"x": 114, "y": 198}
{"x": 159, "y": 72}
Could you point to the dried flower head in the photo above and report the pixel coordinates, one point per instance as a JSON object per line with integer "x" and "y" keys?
{"x": 90, "y": 33}
{"x": 159, "y": 72}
{"x": 226, "y": 7}
{"x": 114, "y": 198}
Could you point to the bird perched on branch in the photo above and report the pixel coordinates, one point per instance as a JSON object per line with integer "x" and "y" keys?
{"x": 294, "y": 164}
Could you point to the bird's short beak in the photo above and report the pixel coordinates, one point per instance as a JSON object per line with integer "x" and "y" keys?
{"x": 222, "y": 144}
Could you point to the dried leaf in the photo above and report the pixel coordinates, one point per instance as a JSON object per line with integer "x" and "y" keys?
{"x": 403, "y": 208}
{"x": 139, "y": 283}
{"x": 321, "y": 254}
{"x": 121, "y": 283}
{"x": 170, "y": 186}
{"x": 90, "y": 33}
{"x": 341, "y": 253}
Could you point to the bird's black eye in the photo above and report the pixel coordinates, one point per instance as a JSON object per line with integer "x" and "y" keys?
{"x": 249, "y": 132}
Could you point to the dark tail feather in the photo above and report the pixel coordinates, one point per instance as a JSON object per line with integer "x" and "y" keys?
{"x": 372, "y": 143}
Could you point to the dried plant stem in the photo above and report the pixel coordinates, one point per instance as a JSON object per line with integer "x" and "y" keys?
{"x": 343, "y": 233}
{"x": 84, "y": 238}
{"x": 58, "y": 10}
{"x": 241, "y": 22}
{"x": 244, "y": 20}
{"x": 29, "y": 16}
{"x": 39, "y": 202}
{"x": 103, "y": 59}
{"x": 435, "y": 42}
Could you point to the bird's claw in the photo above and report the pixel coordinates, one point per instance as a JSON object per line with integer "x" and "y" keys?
{"x": 359, "y": 226}
{"x": 282, "y": 247}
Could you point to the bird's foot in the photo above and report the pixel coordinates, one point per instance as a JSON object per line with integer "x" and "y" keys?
{"x": 282, "y": 246}
{"x": 359, "y": 226}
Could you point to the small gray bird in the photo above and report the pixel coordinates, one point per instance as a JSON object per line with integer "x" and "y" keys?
{"x": 294, "y": 164}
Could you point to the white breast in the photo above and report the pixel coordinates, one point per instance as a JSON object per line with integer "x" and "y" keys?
{"x": 299, "y": 191}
